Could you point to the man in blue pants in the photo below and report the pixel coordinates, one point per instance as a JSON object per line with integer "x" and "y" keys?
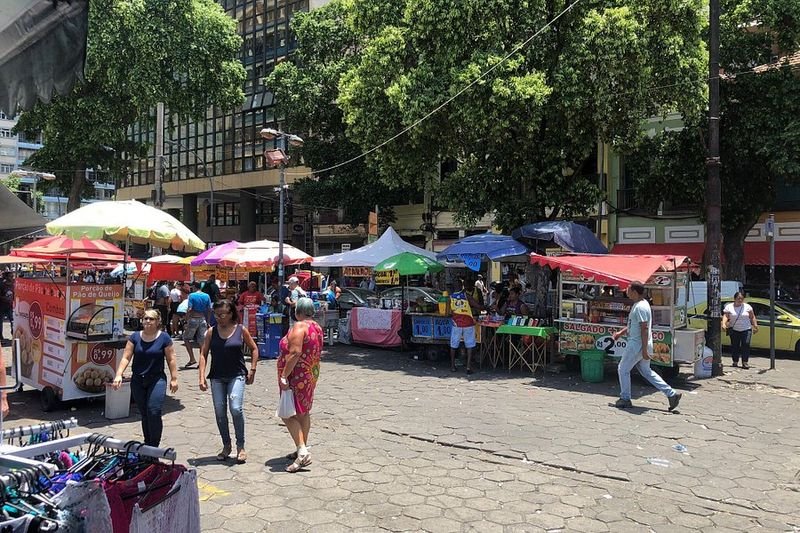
{"x": 638, "y": 349}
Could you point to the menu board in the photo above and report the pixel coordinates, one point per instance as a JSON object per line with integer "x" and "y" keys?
{"x": 575, "y": 337}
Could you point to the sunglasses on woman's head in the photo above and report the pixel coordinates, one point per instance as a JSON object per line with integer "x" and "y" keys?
{"x": 148, "y": 318}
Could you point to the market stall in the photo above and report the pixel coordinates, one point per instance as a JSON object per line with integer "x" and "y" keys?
{"x": 70, "y": 333}
{"x": 592, "y": 305}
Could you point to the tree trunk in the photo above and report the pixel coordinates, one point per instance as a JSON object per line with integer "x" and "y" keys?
{"x": 733, "y": 252}
{"x": 76, "y": 190}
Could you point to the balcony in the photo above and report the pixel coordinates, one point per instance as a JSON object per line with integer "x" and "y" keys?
{"x": 627, "y": 201}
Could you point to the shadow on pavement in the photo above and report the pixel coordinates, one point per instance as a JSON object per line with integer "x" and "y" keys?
{"x": 210, "y": 460}
{"x": 277, "y": 464}
{"x": 565, "y": 380}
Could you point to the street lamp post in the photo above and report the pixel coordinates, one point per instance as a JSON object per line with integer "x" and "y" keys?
{"x": 210, "y": 183}
{"x": 281, "y": 159}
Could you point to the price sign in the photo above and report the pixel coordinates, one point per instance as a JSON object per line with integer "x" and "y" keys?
{"x": 607, "y": 344}
{"x": 472, "y": 261}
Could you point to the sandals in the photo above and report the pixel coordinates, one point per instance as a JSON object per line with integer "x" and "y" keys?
{"x": 241, "y": 456}
{"x": 223, "y": 455}
{"x": 190, "y": 364}
{"x": 299, "y": 464}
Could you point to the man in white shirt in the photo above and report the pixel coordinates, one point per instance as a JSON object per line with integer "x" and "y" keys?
{"x": 175, "y": 298}
{"x": 638, "y": 349}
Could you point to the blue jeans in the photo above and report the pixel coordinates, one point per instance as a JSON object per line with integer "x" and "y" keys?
{"x": 229, "y": 393}
{"x": 740, "y": 344}
{"x": 149, "y": 393}
{"x": 627, "y": 363}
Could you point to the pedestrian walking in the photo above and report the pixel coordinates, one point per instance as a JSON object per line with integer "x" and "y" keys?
{"x": 175, "y": 299}
{"x": 298, "y": 371}
{"x": 739, "y": 322}
{"x": 638, "y": 349}
{"x": 228, "y": 374}
{"x": 198, "y": 315}
{"x": 162, "y": 303}
{"x": 295, "y": 293}
{"x": 149, "y": 349}
{"x": 462, "y": 308}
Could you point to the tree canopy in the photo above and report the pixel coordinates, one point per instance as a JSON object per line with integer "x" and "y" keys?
{"x": 140, "y": 52}
{"x": 759, "y": 127}
{"x": 367, "y": 70}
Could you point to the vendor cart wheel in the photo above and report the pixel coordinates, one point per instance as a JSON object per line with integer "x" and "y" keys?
{"x": 48, "y": 399}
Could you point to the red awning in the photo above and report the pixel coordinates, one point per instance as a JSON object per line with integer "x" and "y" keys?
{"x": 692, "y": 250}
{"x": 614, "y": 269}
{"x": 59, "y": 247}
{"x": 787, "y": 253}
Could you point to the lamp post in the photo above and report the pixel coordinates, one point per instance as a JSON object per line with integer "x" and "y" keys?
{"x": 280, "y": 158}
{"x": 36, "y": 176}
{"x": 210, "y": 183}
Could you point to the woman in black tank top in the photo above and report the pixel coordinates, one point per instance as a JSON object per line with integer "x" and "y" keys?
{"x": 228, "y": 374}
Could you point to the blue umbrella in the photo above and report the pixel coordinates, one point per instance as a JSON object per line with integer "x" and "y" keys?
{"x": 568, "y": 235}
{"x": 476, "y": 248}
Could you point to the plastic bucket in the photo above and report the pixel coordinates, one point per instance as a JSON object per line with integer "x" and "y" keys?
{"x": 118, "y": 402}
{"x": 702, "y": 367}
{"x": 592, "y": 365}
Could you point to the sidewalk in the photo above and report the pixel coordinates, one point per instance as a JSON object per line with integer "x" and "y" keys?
{"x": 405, "y": 445}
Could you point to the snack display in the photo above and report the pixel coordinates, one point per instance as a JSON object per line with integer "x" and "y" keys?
{"x": 26, "y": 356}
{"x": 93, "y": 378}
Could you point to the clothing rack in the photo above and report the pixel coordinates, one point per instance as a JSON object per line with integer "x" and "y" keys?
{"x": 44, "y": 427}
{"x": 98, "y": 439}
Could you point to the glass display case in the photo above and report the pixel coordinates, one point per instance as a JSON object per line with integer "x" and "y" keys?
{"x": 91, "y": 322}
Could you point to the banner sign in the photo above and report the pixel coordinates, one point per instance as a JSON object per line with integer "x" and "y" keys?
{"x": 387, "y": 277}
{"x": 575, "y": 337}
{"x": 357, "y": 272}
{"x": 472, "y": 261}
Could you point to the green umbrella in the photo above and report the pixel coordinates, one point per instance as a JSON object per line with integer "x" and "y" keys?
{"x": 409, "y": 264}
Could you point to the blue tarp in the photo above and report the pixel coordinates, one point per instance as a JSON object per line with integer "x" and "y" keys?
{"x": 568, "y": 235}
{"x": 486, "y": 245}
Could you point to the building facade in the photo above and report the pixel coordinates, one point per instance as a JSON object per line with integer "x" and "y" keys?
{"x": 220, "y": 159}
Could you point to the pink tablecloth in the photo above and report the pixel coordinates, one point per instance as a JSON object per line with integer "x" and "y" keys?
{"x": 376, "y": 327}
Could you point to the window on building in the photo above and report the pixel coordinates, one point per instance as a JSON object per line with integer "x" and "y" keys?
{"x": 5, "y": 133}
{"x": 6, "y": 169}
{"x": 225, "y": 214}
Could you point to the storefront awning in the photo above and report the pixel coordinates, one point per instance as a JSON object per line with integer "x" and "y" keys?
{"x": 619, "y": 270}
{"x": 692, "y": 250}
{"x": 787, "y": 253}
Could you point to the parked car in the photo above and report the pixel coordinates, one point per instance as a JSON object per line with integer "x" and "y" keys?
{"x": 787, "y": 324}
{"x": 412, "y": 294}
{"x": 355, "y": 297}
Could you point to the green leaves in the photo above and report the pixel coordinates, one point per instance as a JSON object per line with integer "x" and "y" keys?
{"x": 596, "y": 73}
{"x": 140, "y": 52}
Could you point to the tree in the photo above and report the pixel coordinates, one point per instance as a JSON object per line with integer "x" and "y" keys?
{"x": 759, "y": 128}
{"x": 306, "y": 90}
{"x": 593, "y": 74}
{"x": 140, "y": 52}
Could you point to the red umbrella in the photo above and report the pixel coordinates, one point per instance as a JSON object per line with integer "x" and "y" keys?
{"x": 60, "y": 247}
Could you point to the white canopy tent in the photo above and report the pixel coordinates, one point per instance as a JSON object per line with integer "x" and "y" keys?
{"x": 389, "y": 244}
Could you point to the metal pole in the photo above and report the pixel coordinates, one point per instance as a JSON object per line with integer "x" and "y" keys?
{"x": 282, "y": 185}
{"x": 771, "y": 235}
{"x": 159, "y": 153}
{"x": 213, "y": 215}
{"x": 714, "y": 196}
{"x": 35, "y": 201}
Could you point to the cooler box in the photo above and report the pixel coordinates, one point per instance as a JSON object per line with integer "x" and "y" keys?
{"x": 269, "y": 347}
{"x": 118, "y": 402}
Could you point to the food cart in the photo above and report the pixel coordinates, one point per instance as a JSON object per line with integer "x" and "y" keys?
{"x": 70, "y": 334}
{"x": 70, "y": 337}
{"x": 592, "y": 306}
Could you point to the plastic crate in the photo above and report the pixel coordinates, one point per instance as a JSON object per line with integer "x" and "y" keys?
{"x": 592, "y": 365}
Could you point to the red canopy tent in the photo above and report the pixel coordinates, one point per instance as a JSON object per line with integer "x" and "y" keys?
{"x": 60, "y": 247}
{"x": 619, "y": 270}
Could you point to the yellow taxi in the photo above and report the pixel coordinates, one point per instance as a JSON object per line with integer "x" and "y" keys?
{"x": 787, "y": 323}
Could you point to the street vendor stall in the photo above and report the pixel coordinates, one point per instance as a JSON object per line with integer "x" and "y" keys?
{"x": 592, "y": 304}
{"x": 70, "y": 334}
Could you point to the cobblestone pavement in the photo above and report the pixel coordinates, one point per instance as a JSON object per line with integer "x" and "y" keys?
{"x": 405, "y": 445}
